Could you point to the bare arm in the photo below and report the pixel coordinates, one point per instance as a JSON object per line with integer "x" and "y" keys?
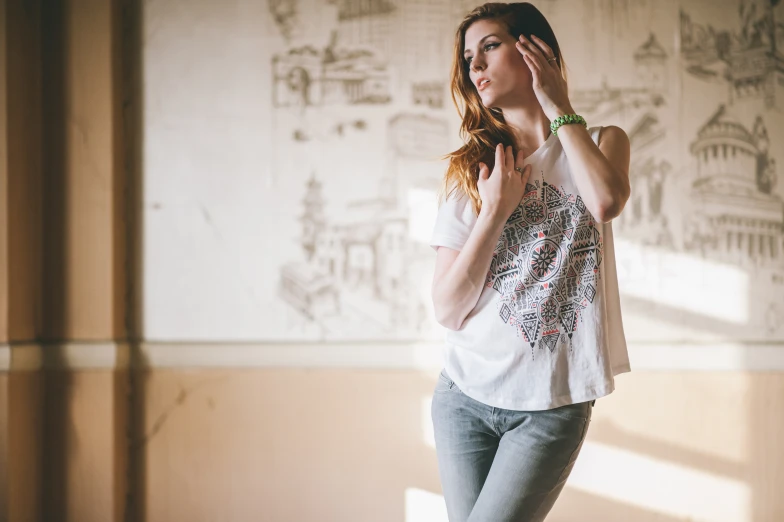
{"x": 460, "y": 275}
{"x": 600, "y": 173}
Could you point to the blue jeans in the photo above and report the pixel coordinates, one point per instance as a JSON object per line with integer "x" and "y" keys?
{"x": 499, "y": 465}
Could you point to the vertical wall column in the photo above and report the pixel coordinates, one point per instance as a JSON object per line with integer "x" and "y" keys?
{"x": 84, "y": 262}
{"x": 21, "y": 385}
{"x": 63, "y": 273}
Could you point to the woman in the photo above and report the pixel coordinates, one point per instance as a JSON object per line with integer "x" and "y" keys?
{"x": 525, "y": 277}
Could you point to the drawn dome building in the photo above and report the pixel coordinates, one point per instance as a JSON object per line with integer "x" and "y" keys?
{"x": 734, "y": 220}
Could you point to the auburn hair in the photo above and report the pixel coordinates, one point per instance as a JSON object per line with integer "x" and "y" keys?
{"x": 482, "y": 128}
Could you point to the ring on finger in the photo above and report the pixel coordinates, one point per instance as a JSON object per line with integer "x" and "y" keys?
{"x": 519, "y": 169}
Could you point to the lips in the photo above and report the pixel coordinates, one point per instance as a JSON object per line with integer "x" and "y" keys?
{"x": 480, "y": 86}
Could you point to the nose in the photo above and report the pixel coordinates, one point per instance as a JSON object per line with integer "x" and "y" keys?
{"x": 477, "y": 64}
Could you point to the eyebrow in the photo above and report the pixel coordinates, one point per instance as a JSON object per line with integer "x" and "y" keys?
{"x": 480, "y": 42}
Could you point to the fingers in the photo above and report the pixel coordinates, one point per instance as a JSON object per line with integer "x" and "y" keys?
{"x": 519, "y": 162}
{"x": 505, "y": 160}
{"x": 527, "y": 48}
{"x": 533, "y": 63}
{"x": 526, "y": 173}
{"x": 549, "y": 54}
{"x": 499, "y": 155}
{"x": 532, "y": 47}
{"x": 509, "y": 161}
{"x": 484, "y": 172}
{"x": 519, "y": 159}
{"x": 525, "y": 52}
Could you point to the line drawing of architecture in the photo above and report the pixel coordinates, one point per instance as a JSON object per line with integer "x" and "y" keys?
{"x": 355, "y": 274}
{"x": 737, "y": 212}
{"x": 750, "y": 59}
{"x": 307, "y": 76}
{"x": 640, "y": 109}
{"x": 738, "y": 220}
{"x": 734, "y": 217}
{"x": 705, "y": 189}
{"x": 367, "y": 24}
{"x": 284, "y": 13}
{"x": 430, "y": 94}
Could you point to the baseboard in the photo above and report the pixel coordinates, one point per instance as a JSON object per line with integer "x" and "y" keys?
{"x": 380, "y": 355}
{"x": 63, "y": 356}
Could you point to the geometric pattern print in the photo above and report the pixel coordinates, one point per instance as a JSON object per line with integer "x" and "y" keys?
{"x": 546, "y": 266}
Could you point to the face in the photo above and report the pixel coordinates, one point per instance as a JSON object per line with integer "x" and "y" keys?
{"x": 491, "y": 54}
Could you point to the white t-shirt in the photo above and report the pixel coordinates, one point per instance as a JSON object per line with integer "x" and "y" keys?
{"x": 547, "y": 328}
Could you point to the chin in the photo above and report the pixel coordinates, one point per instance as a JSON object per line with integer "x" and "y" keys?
{"x": 488, "y": 101}
{"x": 493, "y": 100}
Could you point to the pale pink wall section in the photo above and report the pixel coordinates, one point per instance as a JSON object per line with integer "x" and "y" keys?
{"x": 346, "y": 445}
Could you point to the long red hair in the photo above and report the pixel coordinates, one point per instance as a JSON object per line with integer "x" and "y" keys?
{"x": 482, "y": 128}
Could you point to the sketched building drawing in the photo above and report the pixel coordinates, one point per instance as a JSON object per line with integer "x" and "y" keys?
{"x": 702, "y": 126}
{"x": 644, "y": 215}
{"x": 735, "y": 219}
{"x": 306, "y": 76}
{"x": 308, "y": 290}
{"x": 429, "y": 94}
{"x": 366, "y": 24}
{"x": 757, "y": 72}
{"x": 414, "y": 144}
{"x": 295, "y": 77}
{"x": 750, "y": 59}
{"x": 418, "y": 136}
{"x": 650, "y": 61}
{"x": 309, "y": 286}
{"x": 284, "y": 14}
{"x": 639, "y": 109}
{"x": 356, "y": 270}
{"x": 424, "y": 40}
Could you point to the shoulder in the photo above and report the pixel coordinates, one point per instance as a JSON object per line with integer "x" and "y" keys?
{"x": 454, "y": 195}
{"x": 613, "y": 136}
{"x": 456, "y": 203}
{"x": 614, "y": 144}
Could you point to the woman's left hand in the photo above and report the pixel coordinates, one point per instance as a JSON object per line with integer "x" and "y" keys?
{"x": 549, "y": 86}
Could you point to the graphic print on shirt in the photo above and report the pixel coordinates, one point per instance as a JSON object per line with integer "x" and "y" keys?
{"x": 546, "y": 266}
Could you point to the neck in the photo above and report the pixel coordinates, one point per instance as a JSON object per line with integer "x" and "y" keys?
{"x": 530, "y": 125}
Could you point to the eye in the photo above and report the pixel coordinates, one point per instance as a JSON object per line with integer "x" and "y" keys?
{"x": 485, "y": 49}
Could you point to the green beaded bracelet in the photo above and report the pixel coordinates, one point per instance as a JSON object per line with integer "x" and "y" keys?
{"x": 563, "y": 120}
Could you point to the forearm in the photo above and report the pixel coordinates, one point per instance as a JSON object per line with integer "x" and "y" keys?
{"x": 600, "y": 184}
{"x": 457, "y": 291}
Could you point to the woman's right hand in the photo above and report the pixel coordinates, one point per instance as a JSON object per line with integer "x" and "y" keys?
{"x": 503, "y": 190}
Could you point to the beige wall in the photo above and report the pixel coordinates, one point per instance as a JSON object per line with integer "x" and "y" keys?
{"x": 342, "y": 444}
{"x": 336, "y": 444}
{"x": 21, "y": 418}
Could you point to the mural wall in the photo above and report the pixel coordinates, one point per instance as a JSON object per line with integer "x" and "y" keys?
{"x": 292, "y": 162}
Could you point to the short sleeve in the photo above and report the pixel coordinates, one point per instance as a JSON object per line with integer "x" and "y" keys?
{"x": 454, "y": 222}
{"x": 594, "y": 132}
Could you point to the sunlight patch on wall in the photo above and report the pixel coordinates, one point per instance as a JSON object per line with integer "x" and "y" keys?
{"x": 659, "y": 486}
{"x": 422, "y": 211}
{"x": 424, "y": 506}
{"x": 683, "y": 281}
